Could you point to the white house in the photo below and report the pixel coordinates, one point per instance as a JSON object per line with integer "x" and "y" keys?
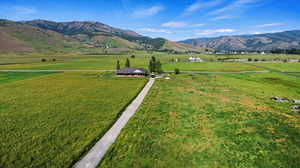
{"x": 195, "y": 59}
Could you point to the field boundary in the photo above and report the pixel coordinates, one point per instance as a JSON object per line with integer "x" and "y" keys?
{"x": 57, "y": 70}
{"x": 266, "y": 71}
{"x": 291, "y": 73}
{"x": 95, "y": 155}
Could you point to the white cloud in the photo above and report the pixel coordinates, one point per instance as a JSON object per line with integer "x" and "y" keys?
{"x": 222, "y": 17}
{"x": 256, "y": 33}
{"x": 237, "y": 4}
{"x": 22, "y": 10}
{"x": 147, "y": 12}
{"x": 198, "y": 25}
{"x": 200, "y": 4}
{"x": 269, "y": 25}
{"x": 264, "y": 32}
{"x": 215, "y": 31}
{"x": 174, "y": 24}
{"x": 155, "y": 30}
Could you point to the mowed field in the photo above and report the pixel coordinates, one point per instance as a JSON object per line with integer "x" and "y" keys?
{"x": 51, "y": 119}
{"x": 213, "y": 121}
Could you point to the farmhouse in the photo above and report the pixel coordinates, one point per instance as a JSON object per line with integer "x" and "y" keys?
{"x": 195, "y": 59}
{"x": 132, "y": 72}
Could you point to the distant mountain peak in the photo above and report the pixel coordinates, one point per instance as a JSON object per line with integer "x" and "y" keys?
{"x": 254, "y": 42}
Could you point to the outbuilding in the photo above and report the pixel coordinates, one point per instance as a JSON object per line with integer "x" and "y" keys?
{"x": 195, "y": 59}
{"x": 132, "y": 72}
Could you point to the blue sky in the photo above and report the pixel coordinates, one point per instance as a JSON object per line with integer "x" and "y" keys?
{"x": 171, "y": 19}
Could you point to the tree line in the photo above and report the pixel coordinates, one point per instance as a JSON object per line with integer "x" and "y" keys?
{"x": 286, "y": 51}
{"x": 154, "y": 65}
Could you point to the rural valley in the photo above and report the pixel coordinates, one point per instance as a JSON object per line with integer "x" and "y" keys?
{"x": 86, "y": 94}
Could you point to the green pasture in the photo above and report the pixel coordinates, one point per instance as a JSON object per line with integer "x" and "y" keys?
{"x": 108, "y": 62}
{"x": 51, "y": 119}
{"x": 213, "y": 121}
{"x": 289, "y": 67}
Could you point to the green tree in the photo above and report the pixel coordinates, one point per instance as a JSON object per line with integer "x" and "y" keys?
{"x": 150, "y": 66}
{"x": 153, "y": 68}
{"x": 177, "y": 71}
{"x": 158, "y": 67}
{"x": 127, "y": 64}
{"x": 118, "y": 65}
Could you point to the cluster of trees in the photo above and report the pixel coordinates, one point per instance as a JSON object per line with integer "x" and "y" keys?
{"x": 45, "y": 60}
{"x": 155, "y": 65}
{"x": 127, "y": 64}
{"x": 287, "y": 51}
{"x": 255, "y": 60}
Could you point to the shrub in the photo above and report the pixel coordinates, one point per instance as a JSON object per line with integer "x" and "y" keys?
{"x": 43, "y": 60}
{"x": 249, "y": 59}
{"x": 256, "y": 60}
{"x": 177, "y": 71}
{"x": 53, "y": 59}
{"x": 132, "y": 56}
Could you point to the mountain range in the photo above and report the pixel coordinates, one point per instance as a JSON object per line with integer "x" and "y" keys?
{"x": 43, "y": 35}
{"x": 256, "y": 42}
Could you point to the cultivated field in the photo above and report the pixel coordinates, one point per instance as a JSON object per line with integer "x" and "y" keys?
{"x": 51, "y": 119}
{"x": 213, "y": 121}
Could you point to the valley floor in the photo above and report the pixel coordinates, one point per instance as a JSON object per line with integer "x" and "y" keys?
{"x": 210, "y": 119}
{"x": 51, "y": 119}
{"x": 213, "y": 121}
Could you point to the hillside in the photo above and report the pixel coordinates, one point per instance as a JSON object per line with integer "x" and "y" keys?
{"x": 89, "y": 31}
{"x": 94, "y": 33}
{"x": 42, "y": 35}
{"x": 16, "y": 36}
{"x": 105, "y": 36}
{"x": 172, "y": 46}
{"x": 259, "y": 42}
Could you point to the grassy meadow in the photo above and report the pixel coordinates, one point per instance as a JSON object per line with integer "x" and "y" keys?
{"x": 288, "y": 67}
{"x": 51, "y": 119}
{"x": 213, "y": 121}
{"x": 108, "y": 62}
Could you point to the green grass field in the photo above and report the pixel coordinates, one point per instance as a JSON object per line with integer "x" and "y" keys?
{"x": 291, "y": 67}
{"x": 108, "y": 62}
{"x": 51, "y": 119}
{"x": 213, "y": 121}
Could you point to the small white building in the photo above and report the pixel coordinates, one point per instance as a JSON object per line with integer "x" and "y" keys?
{"x": 195, "y": 59}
